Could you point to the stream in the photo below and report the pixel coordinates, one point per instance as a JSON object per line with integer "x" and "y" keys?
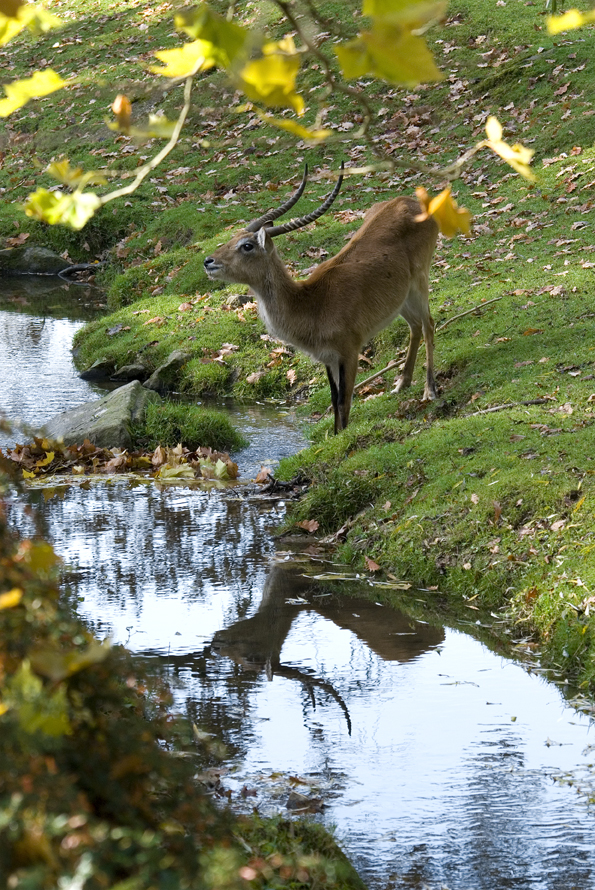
{"x": 440, "y": 761}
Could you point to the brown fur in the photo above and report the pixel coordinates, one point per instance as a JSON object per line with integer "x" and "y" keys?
{"x": 381, "y": 273}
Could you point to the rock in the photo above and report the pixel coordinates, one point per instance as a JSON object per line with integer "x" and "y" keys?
{"x": 102, "y": 369}
{"x": 135, "y": 371}
{"x": 106, "y": 422}
{"x": 31, "y": 260}
{"x": 165, "y": 378}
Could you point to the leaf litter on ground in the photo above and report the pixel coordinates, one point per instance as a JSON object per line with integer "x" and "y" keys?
{"x": 43, "y": 458}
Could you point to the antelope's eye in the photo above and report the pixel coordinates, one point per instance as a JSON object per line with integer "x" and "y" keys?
{"x": 247, "y": 246}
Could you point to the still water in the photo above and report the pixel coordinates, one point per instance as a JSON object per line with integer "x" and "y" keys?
{"x": 434, "y": 755}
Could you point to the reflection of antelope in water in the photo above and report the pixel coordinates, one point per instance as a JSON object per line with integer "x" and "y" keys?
{"x": 255, "y": 643}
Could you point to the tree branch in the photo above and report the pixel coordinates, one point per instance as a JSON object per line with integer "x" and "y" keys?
{"x": 468, "y": 312}
{"x": 509, "y": 405}
{"x": 154, "y": 162}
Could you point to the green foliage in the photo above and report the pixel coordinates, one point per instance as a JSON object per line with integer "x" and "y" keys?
{"x": 195, "y": 427}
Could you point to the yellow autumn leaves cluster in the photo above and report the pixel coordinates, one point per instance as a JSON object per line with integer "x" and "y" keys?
{"x": 569, "y": 20}
{"x": 452, "y": 219}
{"x": 391, "y": 47}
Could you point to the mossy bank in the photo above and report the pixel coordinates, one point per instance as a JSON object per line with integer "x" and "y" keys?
{"x": 486, "y": 494}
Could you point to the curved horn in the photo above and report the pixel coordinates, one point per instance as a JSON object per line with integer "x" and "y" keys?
{"x": 271, "y": 215}
{"x": 294, "y": 224}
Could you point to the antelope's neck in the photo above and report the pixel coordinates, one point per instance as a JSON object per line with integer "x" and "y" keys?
{"x": 280, "y": 306}
{"x": 277, "y": 291}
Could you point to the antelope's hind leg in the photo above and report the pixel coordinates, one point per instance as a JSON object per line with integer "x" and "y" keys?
{"x": 416, "y": 312}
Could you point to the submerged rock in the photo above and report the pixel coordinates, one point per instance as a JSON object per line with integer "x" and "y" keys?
{"x": 164, "y": 380}
{"x": 106, "y": 422}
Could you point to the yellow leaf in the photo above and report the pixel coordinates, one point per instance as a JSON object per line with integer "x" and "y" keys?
{"x": 28, "y": 475}
{"x": 3, "y": 708}
{"x": 159, "y": 127}
{"x": 271, "y": 79}
{"x": 228, "y": 40}
{"x": 450, "y": 218}
{"x": 10, "y": 599}
{"x": 294, "y": 127}
{"x": 569, "y": 20}
{"x": 37, "y": 710}
{"x": 39, "y": 556}
{"x": 57, "y": 666}
{"x": 389, "y": 51}
{"x": 63, "y": 172}
{"x": 123, "y": 110}
{"x": 9, "y": 27}
{"x": 186, "y": 60}
{"x": 182, "y": 471}
{"x": 494, "y": 129}
{"x": 414, "y": 13}
{"x": 19, "y": 92}
{"x": 45, "y": 461}
{"x": 55, "y": 207}
{"x": 35, "y": 18}
{"x": 517, "y": 156}
{"x": 74, "y": 177}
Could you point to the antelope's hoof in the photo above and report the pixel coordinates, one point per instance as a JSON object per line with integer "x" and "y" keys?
{"x": 401, "y": 383}
{"x": 430, "y": 395}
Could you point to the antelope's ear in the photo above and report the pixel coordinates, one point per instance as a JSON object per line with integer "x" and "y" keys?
{"x": 261, "y": 237}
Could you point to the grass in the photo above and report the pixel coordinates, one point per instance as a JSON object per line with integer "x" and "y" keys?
{"x": 172, "y": 422}
{"x": 494, "y": 508}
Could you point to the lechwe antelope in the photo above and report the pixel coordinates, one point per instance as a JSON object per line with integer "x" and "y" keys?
{"x": 381, "y": 273}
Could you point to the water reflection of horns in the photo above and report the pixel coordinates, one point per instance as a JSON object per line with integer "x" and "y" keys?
{"x": 255, "y": 643}
{"x": 310, "y": 682}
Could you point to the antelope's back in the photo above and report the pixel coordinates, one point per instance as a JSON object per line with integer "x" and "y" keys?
{"x": 392, "y": 244}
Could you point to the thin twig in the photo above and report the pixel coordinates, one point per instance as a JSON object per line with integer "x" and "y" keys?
{"x": 468, "y": 312}
{"x": 392, "y": 364}
{"x": 154, "y": 162}
{"x": 509, "y": 405}
{"x": 330, "y": 78}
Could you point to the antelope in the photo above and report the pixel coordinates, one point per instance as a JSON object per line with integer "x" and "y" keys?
{"x": 382, "y": 272}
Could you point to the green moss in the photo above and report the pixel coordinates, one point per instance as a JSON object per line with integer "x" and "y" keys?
{"x": 168, "y": 423}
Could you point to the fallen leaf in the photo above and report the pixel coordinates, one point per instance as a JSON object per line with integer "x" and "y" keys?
{"x": 371, "y": 565}
{"x": 255, "y": 377}
{"x": 264, "y": 475}
{"x": 309, "y": 525}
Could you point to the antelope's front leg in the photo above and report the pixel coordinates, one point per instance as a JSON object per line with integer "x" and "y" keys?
{"x": 334, "y": 396}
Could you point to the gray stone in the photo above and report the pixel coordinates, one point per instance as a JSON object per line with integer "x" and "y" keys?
{"x": 105, "y": 422}
{"x": 164, "y": 380}
{"x": 99, "y": 370}
{"x": 135, "y": 371}
{"x": 32, "y": 260}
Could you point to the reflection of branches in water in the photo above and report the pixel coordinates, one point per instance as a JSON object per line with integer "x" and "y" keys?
{"x": 511, "y": 827}
{"x": 145, "y": 541}
{"x": 16, "y": 334}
